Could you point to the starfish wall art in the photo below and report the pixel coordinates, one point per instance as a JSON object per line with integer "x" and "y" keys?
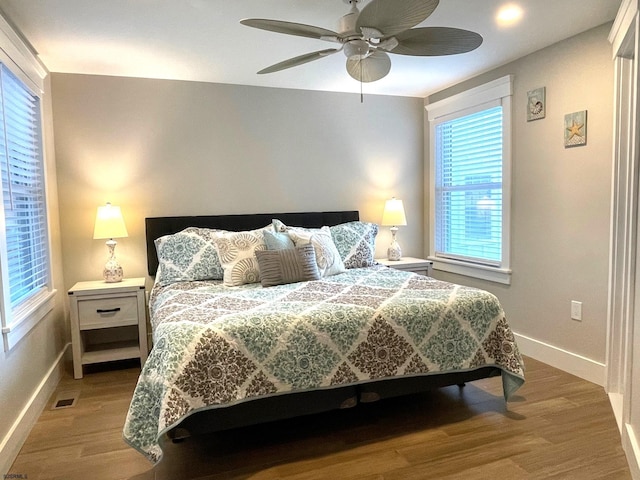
{"x": 575, "y": 129}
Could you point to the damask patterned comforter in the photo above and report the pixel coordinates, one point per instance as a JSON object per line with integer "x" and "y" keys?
{"x": 216, "y": 346}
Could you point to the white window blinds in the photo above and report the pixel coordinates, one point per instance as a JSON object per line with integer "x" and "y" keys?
{"x": 468, "y": 187}
{"x": 23, "y": 189}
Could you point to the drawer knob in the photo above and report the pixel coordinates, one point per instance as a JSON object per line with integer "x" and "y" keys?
{"x": 108, "y": 310}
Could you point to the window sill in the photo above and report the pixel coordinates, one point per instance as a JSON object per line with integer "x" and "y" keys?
{"x": 483, "y": 272}
{"x": 28, "y": 318}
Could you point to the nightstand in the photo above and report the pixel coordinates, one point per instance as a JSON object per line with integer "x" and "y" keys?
{"x": 409, "y": 264}
{"x": 108, "y": 322}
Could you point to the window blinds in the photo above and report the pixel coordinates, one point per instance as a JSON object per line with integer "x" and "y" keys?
{"x": 23, "y": 189}
{"x": 468, "y": 187}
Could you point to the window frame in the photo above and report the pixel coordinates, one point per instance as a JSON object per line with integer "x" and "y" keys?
{"x": 17, "y": 322}
{"x": 459, "y": 105}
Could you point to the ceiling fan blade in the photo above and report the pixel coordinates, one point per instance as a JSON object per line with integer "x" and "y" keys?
{"x": 434, "y": 41}
{"x": 290, "y": 28}
{"x": 391, "y": 17}
{"x": 294, "y": 62}
{"x": 371, "y": 68}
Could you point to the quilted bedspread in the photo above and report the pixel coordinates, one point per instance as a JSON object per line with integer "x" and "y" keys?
{"x": 216, "y": 346}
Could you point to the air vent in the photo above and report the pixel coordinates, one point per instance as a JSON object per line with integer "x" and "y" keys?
{"x": 65, "y": 400}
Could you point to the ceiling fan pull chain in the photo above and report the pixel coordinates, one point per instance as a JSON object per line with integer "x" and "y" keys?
{"x": 361, "y": 95}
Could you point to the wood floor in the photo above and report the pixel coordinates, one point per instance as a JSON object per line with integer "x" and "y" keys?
{"x": 558, "y": 427}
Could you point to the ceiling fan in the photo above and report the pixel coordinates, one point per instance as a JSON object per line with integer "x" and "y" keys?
{"x": 366, "y": 37}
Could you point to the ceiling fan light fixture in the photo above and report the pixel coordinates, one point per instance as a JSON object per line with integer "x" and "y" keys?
{"x": 371, "y": 68}
{"x": 356, "y": 49}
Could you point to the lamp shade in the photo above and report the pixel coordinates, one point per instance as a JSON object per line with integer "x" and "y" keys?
{"x": 109, "y": 223}
{"x": 393, "y": 214}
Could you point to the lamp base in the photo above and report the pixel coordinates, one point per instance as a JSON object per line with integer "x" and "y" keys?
{"x": 394, "y": 252}
{"x": 112, "y": 272}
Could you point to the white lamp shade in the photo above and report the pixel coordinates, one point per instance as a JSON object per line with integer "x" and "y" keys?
{"x": 109, "y": 223}
{"x": 393, "y": 214}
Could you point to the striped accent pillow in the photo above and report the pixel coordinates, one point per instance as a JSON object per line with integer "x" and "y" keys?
{"x": 290, "y": 265}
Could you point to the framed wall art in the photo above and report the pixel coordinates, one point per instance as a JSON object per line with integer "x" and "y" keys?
{"x": 536, "y": 104}
{"x": 575, "y": 129}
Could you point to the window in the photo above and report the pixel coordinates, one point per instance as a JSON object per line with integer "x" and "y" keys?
{"x": 25, "y": 273}
{"x": 469, "y": 191}
{"x": 469, "y": 187}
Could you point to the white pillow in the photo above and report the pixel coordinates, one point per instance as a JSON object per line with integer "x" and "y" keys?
{"x": 237, "y": 253}
{"x": 327, "y": 255}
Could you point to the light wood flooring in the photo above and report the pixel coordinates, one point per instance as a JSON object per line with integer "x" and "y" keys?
{"x": 558, "y": 427}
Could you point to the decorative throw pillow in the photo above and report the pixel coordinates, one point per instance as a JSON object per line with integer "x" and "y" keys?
{"x": 356, "y": 242}
{"x": 188, "y": 255}
{"x": 327, "y": 256}
{"x": 278, "y": 226}
{"x": 277, "y": 240}
{"x": 237, "y": 252}
{"x": 290, "y": 265}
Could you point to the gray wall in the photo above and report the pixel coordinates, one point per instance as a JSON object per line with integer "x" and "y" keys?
{"x": 159, "y": 147}
{"x": 560, "y": 197}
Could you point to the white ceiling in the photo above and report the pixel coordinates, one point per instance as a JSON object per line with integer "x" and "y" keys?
{"x": 202, "y": 40}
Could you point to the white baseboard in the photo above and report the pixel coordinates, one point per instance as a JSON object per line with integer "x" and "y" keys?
{"x": 632, "y": 450}
{"x": 14, "y": 439}
{"x": 617, "y": 403}
{"x": 569, "y": 362}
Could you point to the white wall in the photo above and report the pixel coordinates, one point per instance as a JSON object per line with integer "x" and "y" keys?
{"x": 560, "y": 204}
{"x": 158, "y": 147}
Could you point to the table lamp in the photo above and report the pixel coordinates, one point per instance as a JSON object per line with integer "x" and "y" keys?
{"x": 110, "y": 224}
{"x": 393, "y": 216}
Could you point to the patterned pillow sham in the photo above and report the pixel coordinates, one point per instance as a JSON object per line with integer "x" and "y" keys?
{"x": 327, "y": 256}
{"x": 356, "y": 242}
{"x": 188, "y": 255}
{"x": 237, "y": 252}
{"x": 289, "y": 265}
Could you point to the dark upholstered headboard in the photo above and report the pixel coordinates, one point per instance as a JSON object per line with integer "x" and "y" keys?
{"x": 156, "y": 227}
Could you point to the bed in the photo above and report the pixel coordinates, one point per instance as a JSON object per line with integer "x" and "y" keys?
{"x": 299, "y": 320}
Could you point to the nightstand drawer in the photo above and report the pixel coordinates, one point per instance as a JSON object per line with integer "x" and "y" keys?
{"x": 108, "y": 312}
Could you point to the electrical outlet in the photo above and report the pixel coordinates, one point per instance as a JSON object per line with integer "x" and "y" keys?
{"x": 576, "y": 310}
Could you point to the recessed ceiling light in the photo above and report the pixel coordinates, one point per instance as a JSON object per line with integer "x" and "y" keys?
{"x": 509, "y": 14}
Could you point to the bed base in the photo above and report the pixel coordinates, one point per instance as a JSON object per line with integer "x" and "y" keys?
{"x": 287, "y": 406}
